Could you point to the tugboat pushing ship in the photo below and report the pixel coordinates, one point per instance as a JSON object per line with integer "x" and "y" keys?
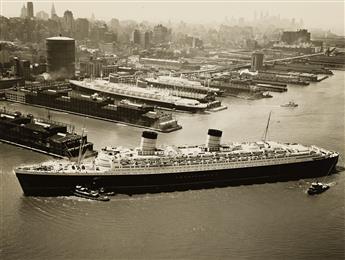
{"x": 150, "y": 168}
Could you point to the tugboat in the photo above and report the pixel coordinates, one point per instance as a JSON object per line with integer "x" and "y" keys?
{"x": 103, "y": 192}
{"x": 266, "y": 95}
{"x": 290, "y": 104}
{"x": 317, "y": 188}
{"x": 86, "y": 193}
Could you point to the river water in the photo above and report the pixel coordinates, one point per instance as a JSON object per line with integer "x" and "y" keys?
{"x": 266, "y": 221}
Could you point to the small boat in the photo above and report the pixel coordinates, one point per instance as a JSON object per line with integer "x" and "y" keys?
{"x": 290, "y": 104}
{"x": 266, "y": 95}
{"x": 106, "y": 193}
{"x": 86, "y": 193}
{"x": 317, "y": 188}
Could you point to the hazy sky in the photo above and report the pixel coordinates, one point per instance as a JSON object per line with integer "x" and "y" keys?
{"x": 323, "y": 14}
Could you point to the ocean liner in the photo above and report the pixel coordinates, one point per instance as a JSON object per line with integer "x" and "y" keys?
{"x": 150, "y": 168}
{"x": 181, "y": 87}
{"x": 142, "y": 95}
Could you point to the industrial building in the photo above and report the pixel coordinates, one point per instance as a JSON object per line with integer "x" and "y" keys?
{"x": 300, "y": 36}
{"x": 61, "y": 57}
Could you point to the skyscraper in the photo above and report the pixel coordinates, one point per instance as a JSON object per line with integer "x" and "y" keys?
{"x": 30, "y": 9}
{"x": 68, "y": 21}
{"x": 81, "y": 28}
{"x": 136, "y": 36}
{"x": 23, "y": 12}
{"x": 161, "y": 34}
{"x": 52, "y": 12}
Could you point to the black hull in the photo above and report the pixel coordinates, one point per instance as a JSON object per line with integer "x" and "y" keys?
{"x": 54, "y": 185}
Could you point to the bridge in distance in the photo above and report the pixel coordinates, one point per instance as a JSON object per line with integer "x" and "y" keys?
{"x": 244, "y": 65}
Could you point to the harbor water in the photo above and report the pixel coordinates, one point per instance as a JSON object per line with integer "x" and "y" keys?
{"x": 266, "y": 221}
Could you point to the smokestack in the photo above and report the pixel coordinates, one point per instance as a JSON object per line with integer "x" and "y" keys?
{"x": 213, "y": 139}
{"x": 148, "y": 141}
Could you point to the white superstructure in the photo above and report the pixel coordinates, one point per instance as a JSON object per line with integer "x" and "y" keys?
{"x": 149, "y": 159}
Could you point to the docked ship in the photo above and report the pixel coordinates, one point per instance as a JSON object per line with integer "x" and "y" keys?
{"x": 181, "y": 87}
{"x": 42, "y": 135}
{"x": 96, "y": 106}
{"x": 237, "y": 87}
{"x": 274, "y": 77}
{"x": 133, "y": 93}
{"x": 151, "y": 168}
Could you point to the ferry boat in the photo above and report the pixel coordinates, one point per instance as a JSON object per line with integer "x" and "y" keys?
{"x": 151, "y": 168}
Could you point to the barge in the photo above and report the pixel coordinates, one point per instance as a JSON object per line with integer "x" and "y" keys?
{"x": 42, "y": 135}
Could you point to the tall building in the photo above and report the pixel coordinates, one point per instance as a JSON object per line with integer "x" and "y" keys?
{"x": 142, "y": 38}
{"x": 82, "y": 28}
{"x": 114, "y": 25}
{"x": 30, "y": 9}
{"x": 23, "y": 12}
{"x": 97, "y": 32}
{"x": 161, "y": 34}
{"x": 257, "y": 61}
{"x": 16, "y": 67}
{"x": 53, "y": 12}
{"x": 25, "y": 69}
{"x": 61, "y": 57}
{"x": 136, "y": 36}
{"x": 68, "y": 21}
{"x": 145, "y": 39}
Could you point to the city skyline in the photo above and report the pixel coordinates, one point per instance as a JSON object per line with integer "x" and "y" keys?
{"x": 207, "y": 12}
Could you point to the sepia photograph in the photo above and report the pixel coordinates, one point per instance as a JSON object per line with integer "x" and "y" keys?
{"x": 171, "y": 129}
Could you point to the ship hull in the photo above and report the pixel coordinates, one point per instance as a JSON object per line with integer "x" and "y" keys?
{"x": 55, "y": 185}
{"x": 157, "y": 103}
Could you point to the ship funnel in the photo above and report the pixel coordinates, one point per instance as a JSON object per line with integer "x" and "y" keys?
{"x": 148, "y": 141}
{"x": 213, "y": 139}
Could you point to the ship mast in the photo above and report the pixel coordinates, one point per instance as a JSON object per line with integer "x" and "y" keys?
{"x": 268, "y": 123}
{"x": 80, "y": 147}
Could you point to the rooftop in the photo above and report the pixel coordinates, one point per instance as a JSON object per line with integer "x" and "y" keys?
{"x": 60, "y": 38}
